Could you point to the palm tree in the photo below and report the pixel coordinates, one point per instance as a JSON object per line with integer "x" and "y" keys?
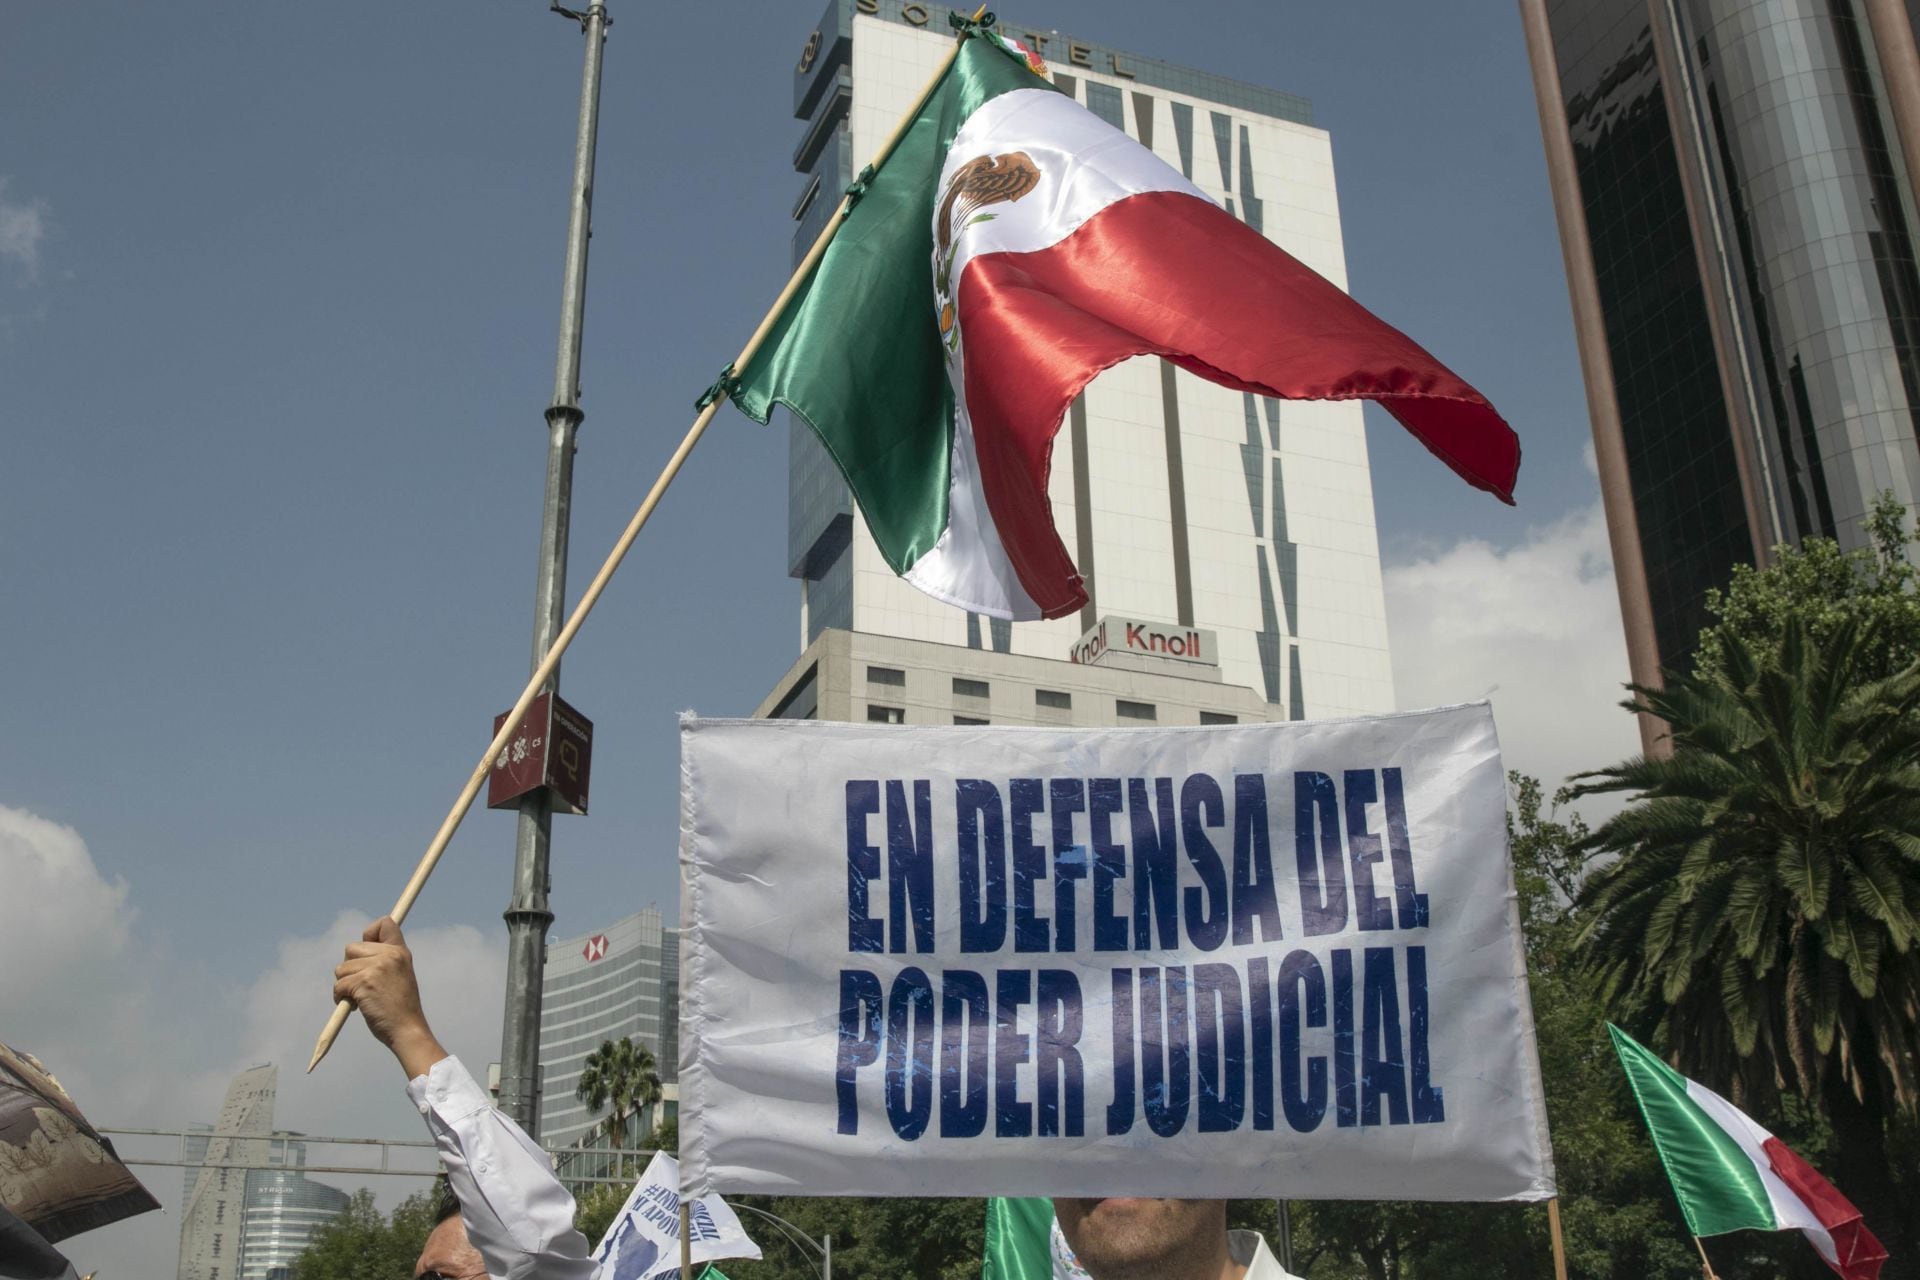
{"x": 1761, "y": 909}
{"x": 623, "y": 1075}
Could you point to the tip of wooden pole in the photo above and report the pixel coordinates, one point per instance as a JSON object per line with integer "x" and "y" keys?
{"x": 328, "y": 1034}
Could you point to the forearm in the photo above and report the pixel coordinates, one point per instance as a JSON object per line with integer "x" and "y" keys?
{"x": 417, "y": 1050}
{"x": 516, "y": 1212}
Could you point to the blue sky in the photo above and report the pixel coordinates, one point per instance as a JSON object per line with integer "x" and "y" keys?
{"x": 278, "y": 292}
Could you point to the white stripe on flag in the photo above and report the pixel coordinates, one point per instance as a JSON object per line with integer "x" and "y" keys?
{"x": 1085, "y": 165}
{"x": 1789, "y": 1210}
{"x": 968, "y": 566}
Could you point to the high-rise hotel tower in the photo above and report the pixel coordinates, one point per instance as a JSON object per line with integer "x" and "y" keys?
{"x": 1190, "y": 509}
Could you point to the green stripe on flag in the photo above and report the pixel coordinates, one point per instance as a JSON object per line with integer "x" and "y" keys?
{"x": 1717, "y": 1185}
{"x": 1019, "y": 1243}
{"x": 857, "y": 353}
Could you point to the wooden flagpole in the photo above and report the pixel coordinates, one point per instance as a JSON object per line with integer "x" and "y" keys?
{"x": 511, "y": 724}
{"x": 1704, "y": 1264}
{"x": 1559, "y": 1245}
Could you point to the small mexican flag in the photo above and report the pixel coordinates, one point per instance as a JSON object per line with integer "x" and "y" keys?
{"x": 1011, "y": 247}
{"x": 1024, "y": 1243}
{"x": 1729, "y": 1174}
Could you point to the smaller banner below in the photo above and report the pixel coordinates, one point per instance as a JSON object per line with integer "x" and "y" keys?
{"x": 643, "y": 1242}
{"x": 1255, "y": 960}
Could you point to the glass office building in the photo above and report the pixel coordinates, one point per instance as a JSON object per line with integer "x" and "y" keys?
{"x": 623, "y": 980}
{"x": 1183, "y": 503}
{"x": 284, "y": 1208}
{"x": 244, "y": 1223}
{"x": 1734, "y": 181}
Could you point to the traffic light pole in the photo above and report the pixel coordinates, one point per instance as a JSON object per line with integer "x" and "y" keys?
{"x": 527, "y": 915}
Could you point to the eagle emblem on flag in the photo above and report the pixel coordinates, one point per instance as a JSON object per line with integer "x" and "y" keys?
{"x": 979, "y": 183}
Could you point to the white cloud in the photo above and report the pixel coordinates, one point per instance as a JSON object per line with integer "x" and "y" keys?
{"x": 42, "y": 865}
{"x": 142, "y": 1041}
{"x": 1536, "y": 629}
{"x": 23, "y": 226}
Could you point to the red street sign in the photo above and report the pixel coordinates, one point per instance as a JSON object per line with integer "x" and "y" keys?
{"x": 553, "y": 748}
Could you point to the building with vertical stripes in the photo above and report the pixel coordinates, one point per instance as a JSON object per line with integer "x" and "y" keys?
{"x": 622, "y": 980}
{"x": 1189, "y": 508}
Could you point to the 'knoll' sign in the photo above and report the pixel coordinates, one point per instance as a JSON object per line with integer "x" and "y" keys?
{"x": 1147, "y": 640}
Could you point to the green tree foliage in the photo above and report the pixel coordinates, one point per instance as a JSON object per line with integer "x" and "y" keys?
{"x": 1617, "y": 1214}
{"x": 364, "y": 1244}
{"x": 598, "y": 1205}
{"x": 666, "y": 1136}
{"x": 595, "y": 1210}
{"x": 623, "y": 1076}
{"x": 1758, "y": 913}
{"x": 872, "y": 1239}
{"x": 1823, "y": 588}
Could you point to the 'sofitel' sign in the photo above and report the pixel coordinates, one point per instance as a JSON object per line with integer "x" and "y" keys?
{"x": 553, "y": 749}
{"x": 1147, "y": 639}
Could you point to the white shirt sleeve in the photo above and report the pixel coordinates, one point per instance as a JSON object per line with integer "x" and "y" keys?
{"x": 516, "y": 1212}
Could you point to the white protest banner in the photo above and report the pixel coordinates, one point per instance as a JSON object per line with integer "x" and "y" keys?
{"x": 1258, "y": 960}
{"x": 643, "y": 1241}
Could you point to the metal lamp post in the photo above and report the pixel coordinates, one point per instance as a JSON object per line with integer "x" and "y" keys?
{"x": 527, "y": 915}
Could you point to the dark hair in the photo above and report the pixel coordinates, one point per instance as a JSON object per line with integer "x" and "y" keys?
{"x": 445, "y": 1204}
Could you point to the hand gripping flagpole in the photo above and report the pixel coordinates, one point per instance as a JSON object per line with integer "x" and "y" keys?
{"x": 709, "y": 405}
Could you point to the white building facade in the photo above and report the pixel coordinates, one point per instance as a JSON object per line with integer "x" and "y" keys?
{"x": 284, "y": 1210}
{"x": 211, "y": 1224}
{"x": 1184, "y": 504}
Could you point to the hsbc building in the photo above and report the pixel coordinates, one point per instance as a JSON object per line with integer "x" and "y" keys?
{"x": 620, "y": 980}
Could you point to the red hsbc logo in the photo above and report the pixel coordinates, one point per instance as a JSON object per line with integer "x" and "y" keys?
{"x": 596, "y": 948}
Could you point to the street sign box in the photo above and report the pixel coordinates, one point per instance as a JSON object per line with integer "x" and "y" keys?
{"x": 553, "y": 749}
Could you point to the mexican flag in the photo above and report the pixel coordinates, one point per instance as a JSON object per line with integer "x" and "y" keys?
{"x": 1012, "y": 246}
{"x": 1024, "y": 1243}
{"x": 1729, "y": 1174}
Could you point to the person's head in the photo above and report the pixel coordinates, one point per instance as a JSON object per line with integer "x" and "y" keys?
{"x": 1124, "y": 1239}
{"x": 448, "y": 1254}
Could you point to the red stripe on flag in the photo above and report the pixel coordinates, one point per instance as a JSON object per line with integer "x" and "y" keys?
{"x": 1165, "y": 273}
{"x": 1860, "y": 1253}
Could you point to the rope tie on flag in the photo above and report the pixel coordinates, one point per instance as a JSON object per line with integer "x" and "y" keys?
{"x": 969, "y": 26}
{"x": 858, "y": 187}
{"x": 726, "y": 385}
